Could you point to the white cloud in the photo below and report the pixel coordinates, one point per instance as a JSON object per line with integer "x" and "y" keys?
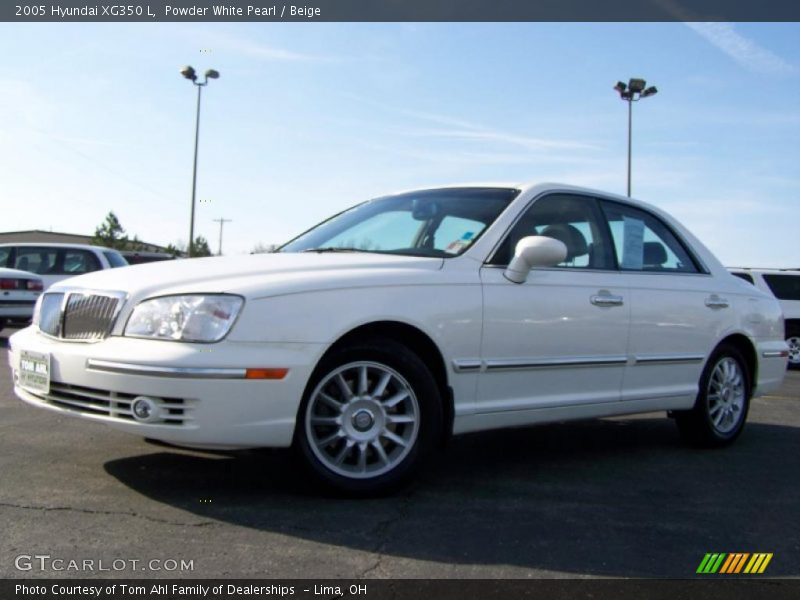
{"x": 743, "y": 50}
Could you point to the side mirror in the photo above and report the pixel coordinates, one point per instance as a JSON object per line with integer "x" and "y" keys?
{"x": 534, "y": 251}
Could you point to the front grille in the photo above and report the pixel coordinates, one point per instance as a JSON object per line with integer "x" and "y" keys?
{"x": 117, "y": 405}
{"x": 88, "y": 316}
{"x": 83, "y": 316}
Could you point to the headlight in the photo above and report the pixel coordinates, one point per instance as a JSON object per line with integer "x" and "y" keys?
{"x": 188, "y": 318}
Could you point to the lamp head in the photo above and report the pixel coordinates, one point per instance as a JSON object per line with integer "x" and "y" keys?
{"x": 649, "y": 91}
{"x": 189, "y": 73}
{"x": 637, "y": 85}
{"x": 212, "y": 74}
{"x": 620, "y": 87}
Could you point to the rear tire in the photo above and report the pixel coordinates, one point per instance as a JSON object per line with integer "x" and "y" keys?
{"x": 370, "y": 414}
{"x": 723, "y": 400}
{"x": 794, "y": 350}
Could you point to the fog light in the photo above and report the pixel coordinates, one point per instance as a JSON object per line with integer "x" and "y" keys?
{"x": 144, "y": 409}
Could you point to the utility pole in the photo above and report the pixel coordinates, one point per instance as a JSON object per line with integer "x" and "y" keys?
{"x": 221, "y": 222}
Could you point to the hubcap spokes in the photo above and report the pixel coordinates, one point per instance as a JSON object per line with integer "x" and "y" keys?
{"x": 794, "y": 350}
{"x": 362, "y": 420}
{"x": 726, "y": 395}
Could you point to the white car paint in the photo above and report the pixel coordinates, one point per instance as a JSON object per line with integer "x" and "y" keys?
{"x": 513, "y": 354}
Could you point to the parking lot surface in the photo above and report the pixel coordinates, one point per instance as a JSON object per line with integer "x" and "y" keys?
{"x": 614, "y": 497}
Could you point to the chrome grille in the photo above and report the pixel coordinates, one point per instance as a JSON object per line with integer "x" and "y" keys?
{"x": 88, "y": 316}
{"x": 83, "y": 316}
{"x": 117, "y": 405}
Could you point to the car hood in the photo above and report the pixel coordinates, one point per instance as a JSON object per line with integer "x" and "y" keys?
{"x": 255, "y": 275}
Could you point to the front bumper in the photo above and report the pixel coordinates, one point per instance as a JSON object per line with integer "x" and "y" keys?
{"x": 203, "y": 398}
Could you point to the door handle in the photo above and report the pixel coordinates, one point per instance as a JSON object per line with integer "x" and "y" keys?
{"x": 606, "y": 300}
{"x": 715, "y": 301}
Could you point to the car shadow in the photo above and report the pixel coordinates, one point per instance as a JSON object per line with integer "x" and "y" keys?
{"x": 617, "y": 497}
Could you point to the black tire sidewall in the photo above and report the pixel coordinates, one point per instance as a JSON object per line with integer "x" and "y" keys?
{"x": 702, "y": 409}
{"x": 398, "y": 357}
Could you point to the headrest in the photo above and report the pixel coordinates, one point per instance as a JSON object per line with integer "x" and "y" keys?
{"x": 571, "y": 236}
{"x": 654, "y": 254}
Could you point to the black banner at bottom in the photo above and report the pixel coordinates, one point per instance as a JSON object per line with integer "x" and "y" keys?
{"x": 401, "y": 589}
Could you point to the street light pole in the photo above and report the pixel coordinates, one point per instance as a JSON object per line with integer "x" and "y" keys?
{"x": 190, "y": 74}
{"x": 632, "y": 92}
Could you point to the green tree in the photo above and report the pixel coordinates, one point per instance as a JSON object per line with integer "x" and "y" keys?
{"x": 110, "y": 233}
{"x": 201, "y": 247}
{"x": 175, "y": 250}
{"x": 261, "y": 248}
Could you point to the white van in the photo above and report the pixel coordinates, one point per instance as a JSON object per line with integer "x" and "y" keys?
{"x": 54, "y": 262}
{"x": 784, "y": 284}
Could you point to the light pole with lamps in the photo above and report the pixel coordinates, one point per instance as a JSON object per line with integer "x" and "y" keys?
{"x": 190, "y": 74}
{"x": 634, "y": 91}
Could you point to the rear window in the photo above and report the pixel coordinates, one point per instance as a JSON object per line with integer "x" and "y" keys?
{"x": 785, "y": 287}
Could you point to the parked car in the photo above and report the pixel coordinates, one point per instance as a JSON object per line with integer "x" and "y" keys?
{"x": 136, "y": 257}
{"x": 54, "y": 262}
{"x": 784, "y": 284}
{"x": 372, "y": 337}
{"x": 19, "y": 291}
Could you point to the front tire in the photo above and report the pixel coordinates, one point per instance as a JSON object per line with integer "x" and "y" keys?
{"x": 723, "y": 401}
{"x": 371, "y": 412}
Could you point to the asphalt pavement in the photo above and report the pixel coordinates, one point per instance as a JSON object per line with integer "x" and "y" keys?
{"x": 601, "y": 498}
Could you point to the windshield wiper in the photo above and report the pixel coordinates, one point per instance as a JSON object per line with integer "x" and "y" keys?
{"x": 334, "y": 249}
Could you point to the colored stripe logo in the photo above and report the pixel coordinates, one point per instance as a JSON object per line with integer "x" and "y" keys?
{"x": 734, "y": 563}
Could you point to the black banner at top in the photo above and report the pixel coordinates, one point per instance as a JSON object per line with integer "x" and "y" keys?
{"x": 401, "y": 10}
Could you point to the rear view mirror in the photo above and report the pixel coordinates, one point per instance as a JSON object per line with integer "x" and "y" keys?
{"x": 534, "y": 251}
{"x": 422, "y": 210}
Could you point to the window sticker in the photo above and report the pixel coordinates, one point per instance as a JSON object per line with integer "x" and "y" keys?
{"x": 633, "y": 244}
{"x": 468, "y": 235}
{"x": 456, "y": 246}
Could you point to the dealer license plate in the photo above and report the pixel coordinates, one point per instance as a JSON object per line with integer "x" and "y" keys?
{"x": 34, "y": 371}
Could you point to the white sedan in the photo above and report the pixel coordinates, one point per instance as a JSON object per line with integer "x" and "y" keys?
{"x": 371, "y": 338}
{"x": 19, "y": 291}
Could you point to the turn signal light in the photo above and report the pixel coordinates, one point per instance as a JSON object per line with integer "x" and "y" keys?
{"x": 266, "y": 373}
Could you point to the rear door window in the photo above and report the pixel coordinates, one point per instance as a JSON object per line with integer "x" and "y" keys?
{"x": 644, "y": 243}
{"x": 42, "y": 261}
{"x": 79, "y": 261}
{"x": 746, "y": 276}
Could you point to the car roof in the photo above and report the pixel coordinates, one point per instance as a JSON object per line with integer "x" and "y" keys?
{"x": 55, "y": 245}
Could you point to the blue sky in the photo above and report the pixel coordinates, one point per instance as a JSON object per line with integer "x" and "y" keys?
{"x": 309, "y": 118}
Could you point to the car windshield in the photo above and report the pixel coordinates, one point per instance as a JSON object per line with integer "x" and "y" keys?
{"x": 437, "y": 223}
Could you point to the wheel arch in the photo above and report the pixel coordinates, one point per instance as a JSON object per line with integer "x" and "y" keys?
{"x": 417, "y": 341}
{"x": 742, "y": 343}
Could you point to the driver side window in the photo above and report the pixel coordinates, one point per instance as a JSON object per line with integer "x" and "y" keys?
{"x": 574, "y": 220}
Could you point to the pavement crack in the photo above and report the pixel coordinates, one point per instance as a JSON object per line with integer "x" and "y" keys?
{"x": 381, "y": 532}
{"x": 88, "y": 511}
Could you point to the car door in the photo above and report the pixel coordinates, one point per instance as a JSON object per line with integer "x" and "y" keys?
{"x": 559, "y": 338}
{"x": 675, "y": 312}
